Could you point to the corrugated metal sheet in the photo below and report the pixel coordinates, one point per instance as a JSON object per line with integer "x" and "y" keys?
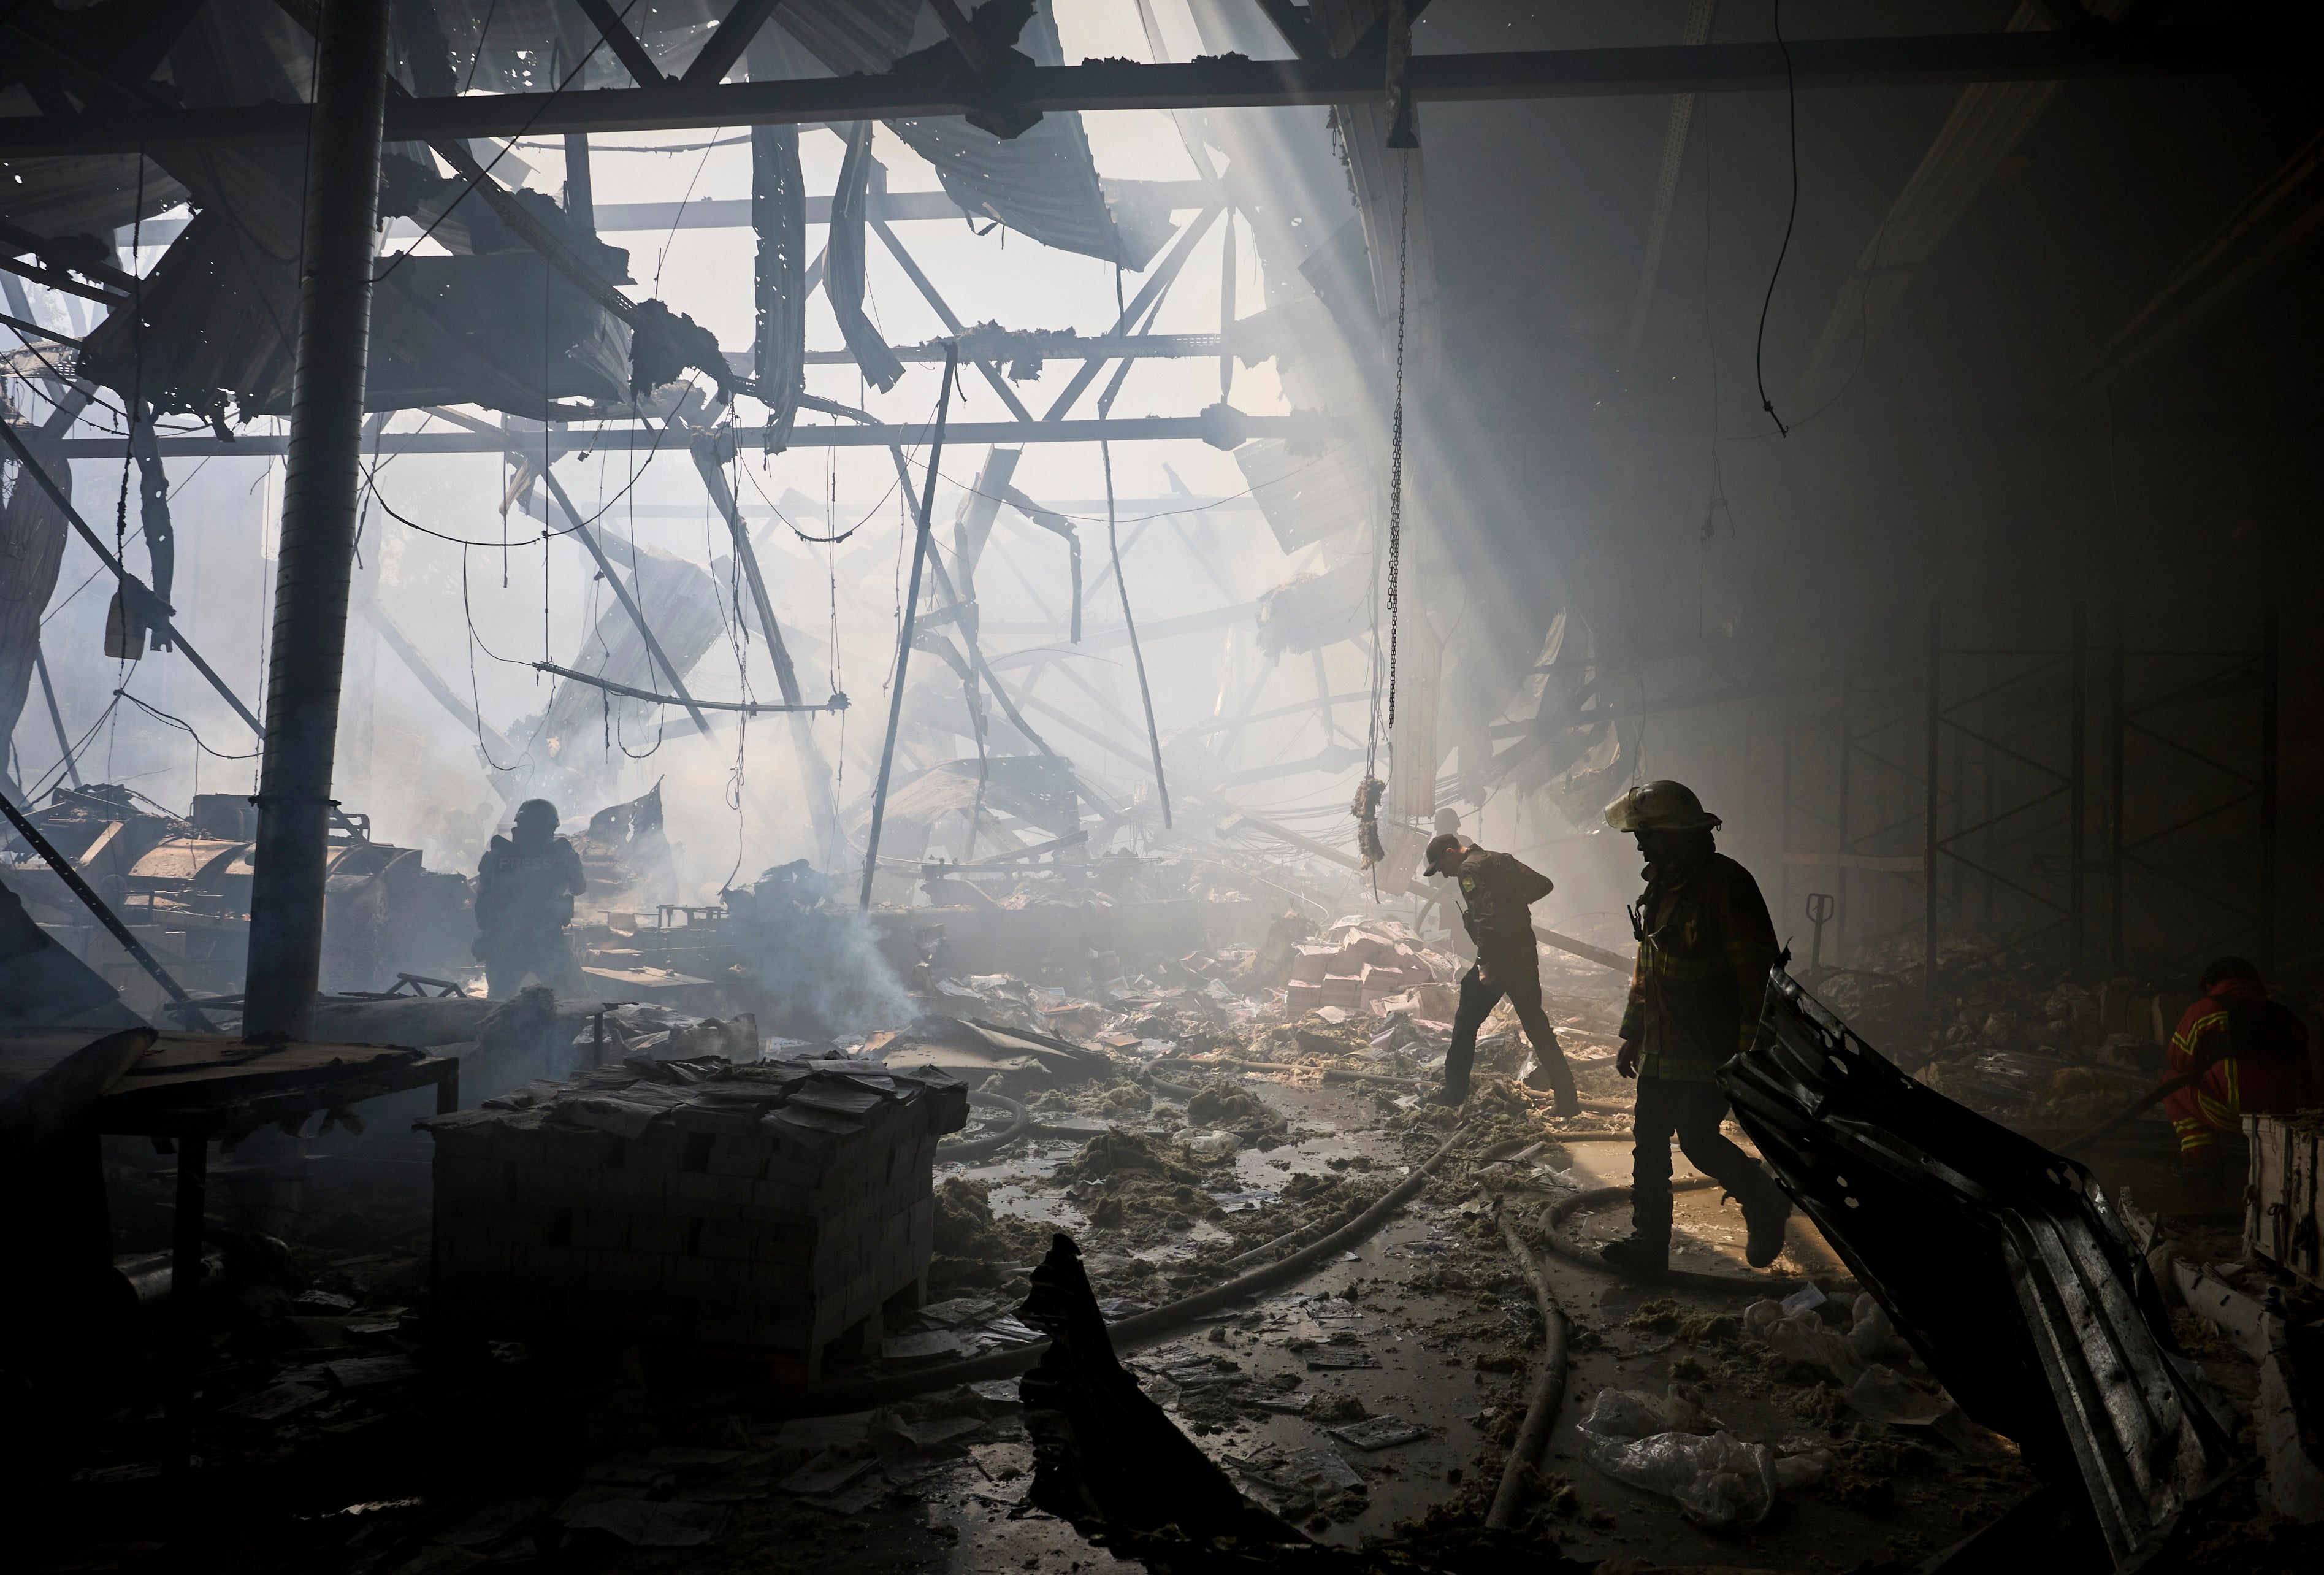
{"x": 221, "y": 314}
{"x": 1042, "y": 184}
{"x": 63, "y": 197}
{"x": 1309, "y": 498}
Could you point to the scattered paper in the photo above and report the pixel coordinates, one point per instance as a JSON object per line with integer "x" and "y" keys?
{"x": 280, "y": 1400}
{"x": 1378, "y": 1433}
{"x": 645, "y": 1524}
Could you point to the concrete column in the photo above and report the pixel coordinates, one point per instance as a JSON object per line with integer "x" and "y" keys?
{"x": 321, "y": 479}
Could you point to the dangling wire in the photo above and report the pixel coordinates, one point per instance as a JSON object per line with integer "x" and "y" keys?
{"x": 1365, "y": 806}
{"x": 1122, "y": 583}
{"x": 1791, "y": 113}
{"x": 1395, "y": 435}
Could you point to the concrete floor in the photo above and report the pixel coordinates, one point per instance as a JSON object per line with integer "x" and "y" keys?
{"x": 1428, "y": 1344}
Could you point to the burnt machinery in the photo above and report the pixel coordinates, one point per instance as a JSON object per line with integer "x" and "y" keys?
{"x": 182, "y": 884}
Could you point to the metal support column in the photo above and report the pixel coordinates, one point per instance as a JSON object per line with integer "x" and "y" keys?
{"x": 1929, "y": 855}
{"x": 2269, "y": 670}
{"x": 920, "y": 555}
{"x": 318, "y": 520}
{"x": 580, "y": 190}
{"x": 2117, "y": 733}
{"x": 2078, "y": 791}
{"x": 1847, "y": 765}
{"x": 56, "y": 716}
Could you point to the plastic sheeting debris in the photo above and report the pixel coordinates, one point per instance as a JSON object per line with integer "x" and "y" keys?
{"x": 1717, "y": 1480}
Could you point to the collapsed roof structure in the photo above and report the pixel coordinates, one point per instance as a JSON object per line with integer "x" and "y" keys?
{"x": 1516, "y": 525}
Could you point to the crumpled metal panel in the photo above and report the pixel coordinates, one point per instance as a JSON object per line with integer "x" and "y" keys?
{"x": 2001, "y": 1263}
{"x": 1042, "y": 184}
{"x": 505, "y": 331}
{"x": 82, "y": 194}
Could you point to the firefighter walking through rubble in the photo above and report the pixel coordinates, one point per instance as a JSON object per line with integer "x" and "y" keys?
{"x": 1497, "y": 894}
{"x": 525, "y": 888}
{"x": 2246, "y": 1055}
{"x": 1705, "y": 948}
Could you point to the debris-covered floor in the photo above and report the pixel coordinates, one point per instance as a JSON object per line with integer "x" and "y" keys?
{"x": 1200, "y": 1132}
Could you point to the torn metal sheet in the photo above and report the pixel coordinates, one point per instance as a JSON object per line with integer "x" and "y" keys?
{"x": 2002, "y": 1263}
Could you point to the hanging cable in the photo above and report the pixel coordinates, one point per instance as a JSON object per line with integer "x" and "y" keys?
{"x": 1791, "y": 118}
{"x": 1122, "y": 583}
{"x": 1395, "y": 435}
{"x": 1371, "y": 852}
{"x": 182, "y": 725}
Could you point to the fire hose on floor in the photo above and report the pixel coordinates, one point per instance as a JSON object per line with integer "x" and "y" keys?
{"x": 1548, "y": 1393}
{"x": 1145, "y": 1327}
{"x": 1020, "y": 1125}
{"x": 1567, "y": 1208}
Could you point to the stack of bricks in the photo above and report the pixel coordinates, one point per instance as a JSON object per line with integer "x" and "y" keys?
{"x": 1360, "y": 973}
{"x": 763, "y": 1210}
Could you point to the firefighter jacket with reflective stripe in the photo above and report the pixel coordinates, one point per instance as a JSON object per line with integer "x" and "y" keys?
{"x": 2258, "y": 1054}
{"x": 1705, "y": 948}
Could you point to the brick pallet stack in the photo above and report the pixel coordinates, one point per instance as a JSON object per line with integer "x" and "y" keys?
{"x": 1356, "y": 972}
{"x": 763, "y": 1210}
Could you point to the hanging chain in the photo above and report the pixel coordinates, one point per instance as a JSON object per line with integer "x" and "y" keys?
{"x": 1396, "y": 437}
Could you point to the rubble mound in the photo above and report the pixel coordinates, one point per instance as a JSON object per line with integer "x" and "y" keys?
{"x": 1231, "y": 1108}
{"x": 1692, "y": 1324}
{"x": 1118, "y": 1152}
{"x": 966, "y": 1227}
{"x": 1121, "y": 1097}
{"x": 1311, "y": 1038}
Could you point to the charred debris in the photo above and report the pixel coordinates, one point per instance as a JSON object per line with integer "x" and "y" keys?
{"x": 851, "y": 784}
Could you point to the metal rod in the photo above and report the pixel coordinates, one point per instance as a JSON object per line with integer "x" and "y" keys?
{"x": 927, "y": 289}
{"x": 1847, "y": 765}
{"x": 2077, "y": 810}
{"x": 904, "y": 637}
{"x": 588, "y": 538}
{"x": 1929, "y": 853}
{"x": 560, "y": 441}
{"x": 429, "y": 679}
{"x": 56, "y": 717}
{"x": 1226, "y": 83}
{"x": 106, "y": 916}
{"x": 837, "y": 702}
{"x": 2270, "y": 663}
{"x": 319, "y": 490}
{"x": 1161, "y": 279}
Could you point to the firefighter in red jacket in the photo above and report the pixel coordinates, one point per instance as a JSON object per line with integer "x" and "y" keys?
{"x": 2254, "y": 1056}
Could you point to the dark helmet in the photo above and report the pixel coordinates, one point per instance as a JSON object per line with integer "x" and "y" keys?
{"x": 2222, "y": 969}
{"x": 536, "y": 810}
{"x": 1660, "y": 806}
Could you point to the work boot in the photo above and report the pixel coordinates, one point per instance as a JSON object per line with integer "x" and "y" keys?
{"x": 1449, "y": 1095}
{"x": 1543, "y": 1078}
{"x": 1763, "y": 1219}
{"x": 1644, "y": 1255}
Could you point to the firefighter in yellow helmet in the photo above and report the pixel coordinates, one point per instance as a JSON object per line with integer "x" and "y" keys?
{"x": 1705, "y": 947}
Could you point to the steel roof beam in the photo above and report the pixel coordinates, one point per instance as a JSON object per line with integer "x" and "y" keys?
{"x": 1228, "y": 83}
